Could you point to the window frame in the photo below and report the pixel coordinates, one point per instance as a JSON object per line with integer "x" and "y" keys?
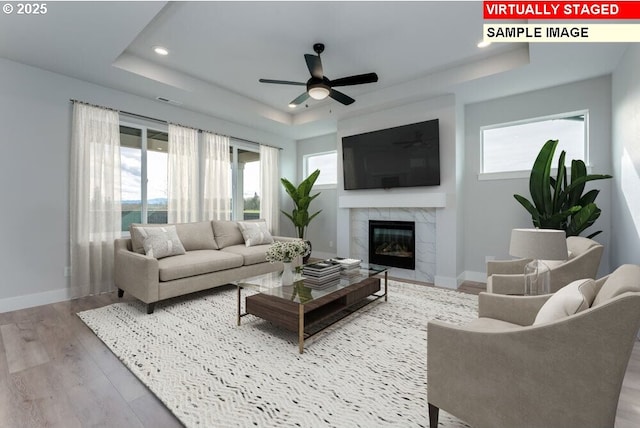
{"x": 237, "y": 198}
{"x": 144, "y": 127}
{"x": 503, "y": 175}
{"x": 306, "y": 172}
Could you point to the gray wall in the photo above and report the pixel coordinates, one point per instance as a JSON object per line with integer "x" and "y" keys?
{"x": 35, "y": 117}
{"x": 490, "y": 209}
{"x": 322, "y": 230}
{"x": 625, "y": 237}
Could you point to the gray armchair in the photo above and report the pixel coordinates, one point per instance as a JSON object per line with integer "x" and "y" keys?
{"x": 502, "y": 371}
{"x": 507, "y": 276}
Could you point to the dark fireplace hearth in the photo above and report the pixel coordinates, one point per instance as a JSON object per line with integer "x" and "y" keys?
{"x": 392, "y": 243}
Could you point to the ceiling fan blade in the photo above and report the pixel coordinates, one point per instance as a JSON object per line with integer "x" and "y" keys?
{"x": 282, "y": 82}
{"x": 341, "y": 98}
{"x": 314, "y": 65}
{"x": 302, "y": 98}
{"x": 355, "y": 80}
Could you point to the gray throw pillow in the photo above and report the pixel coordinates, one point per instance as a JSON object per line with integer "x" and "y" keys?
{"x": 161, "y": 242}
{"x": 138, "y": 235}
{"x": 255, "y": 233}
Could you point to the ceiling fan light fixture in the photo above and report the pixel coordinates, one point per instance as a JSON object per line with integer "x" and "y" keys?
{"x": 319, "y": 92}
{"x": 319, "y": 87}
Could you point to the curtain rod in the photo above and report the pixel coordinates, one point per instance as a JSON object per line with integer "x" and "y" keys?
{"x": 167, "y": 122}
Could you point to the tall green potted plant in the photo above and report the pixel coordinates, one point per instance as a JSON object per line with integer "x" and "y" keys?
{"x": 557, "y": 203}
{"x": 301, "y": 197}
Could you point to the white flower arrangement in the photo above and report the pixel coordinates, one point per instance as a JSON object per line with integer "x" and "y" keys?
{"x": 286, "y": 251}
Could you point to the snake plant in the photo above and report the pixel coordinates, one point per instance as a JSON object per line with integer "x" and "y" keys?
{"x": 301, "y": 199}
{"x": 557, "y": 203}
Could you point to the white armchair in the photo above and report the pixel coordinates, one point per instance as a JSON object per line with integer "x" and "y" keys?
{"x": 503, "y": 370}
{"x": 507, "y": 276}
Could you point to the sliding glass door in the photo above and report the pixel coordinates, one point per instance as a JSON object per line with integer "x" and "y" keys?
{"x": 143, "y": 154}
{"x": 143, "y": 157}
{"x": 245, "y": 181}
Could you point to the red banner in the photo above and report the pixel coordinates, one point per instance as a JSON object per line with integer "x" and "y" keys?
{"x": 580, "y": 10}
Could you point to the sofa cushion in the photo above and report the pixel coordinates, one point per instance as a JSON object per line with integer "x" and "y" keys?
{"x": 227, "y": 233}
{"x": 570, "y": 299}
{"x": 197, "y": 262}
{"x": 623, "y": 279}
{"x": 251, "y": 255}
{"x": 255, "y": 233}
{"x": 197, "y": 236}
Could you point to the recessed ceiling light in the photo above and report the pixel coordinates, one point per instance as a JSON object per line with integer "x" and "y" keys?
{"x": 292, "y": 106}
{"x": 160, "y": 50}
{"x": 483, "y": 44}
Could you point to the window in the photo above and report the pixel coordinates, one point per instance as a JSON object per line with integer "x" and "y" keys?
{"x": 245, "y": 181}
{"x": 143, "y": 157}
{"x": 327, "y": 163}
{"x": 509, "y": 150}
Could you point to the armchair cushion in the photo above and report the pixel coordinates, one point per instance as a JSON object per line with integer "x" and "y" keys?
{"x": 569, "y": 300}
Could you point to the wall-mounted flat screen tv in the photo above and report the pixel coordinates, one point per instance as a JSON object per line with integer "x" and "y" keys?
{"x": 404, "y": 156}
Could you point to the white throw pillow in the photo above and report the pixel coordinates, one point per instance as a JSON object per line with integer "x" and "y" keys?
{"x": 569, "y": 300}
{"x": 255, "y": 233}
{"x": 159, "y": 242}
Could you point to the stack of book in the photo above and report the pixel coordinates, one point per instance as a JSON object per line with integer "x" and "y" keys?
{"x": 349, "y": 267}
{"x": 321, "y": 274}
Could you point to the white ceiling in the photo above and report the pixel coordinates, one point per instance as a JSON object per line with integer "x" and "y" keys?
{"x": 219, "y": 50}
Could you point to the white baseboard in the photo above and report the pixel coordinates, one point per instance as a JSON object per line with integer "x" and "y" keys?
{"x": 36, "y": 299}
{"x": 454, "y": 283}
{"x": 445, "y": 282}
{"x": 469, "y": 275}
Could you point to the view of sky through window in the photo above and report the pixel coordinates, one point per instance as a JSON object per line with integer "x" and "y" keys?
{"x": 515, "y": 147}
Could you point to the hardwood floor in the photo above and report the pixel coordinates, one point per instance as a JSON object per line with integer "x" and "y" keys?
{"x": 54, "y": 372}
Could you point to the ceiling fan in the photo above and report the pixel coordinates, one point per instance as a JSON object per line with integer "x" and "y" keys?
{"x": 319, "y": 86}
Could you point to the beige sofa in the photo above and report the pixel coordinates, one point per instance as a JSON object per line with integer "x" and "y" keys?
{"x": 215, "y": 254}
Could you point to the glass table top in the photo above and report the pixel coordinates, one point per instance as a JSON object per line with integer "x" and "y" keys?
{"x": 302, "y": 290}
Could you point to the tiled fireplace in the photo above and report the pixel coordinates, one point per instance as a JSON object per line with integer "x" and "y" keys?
{"x": 392, "y": 243}
{"x": 424, "y": 252}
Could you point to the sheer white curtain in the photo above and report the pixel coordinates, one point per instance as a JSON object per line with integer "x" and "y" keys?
{"x": 216, "y": 198}
{"x": 269, "y": 187}
{"x": 182, "y": 171}
{"x": 94, "y": 196}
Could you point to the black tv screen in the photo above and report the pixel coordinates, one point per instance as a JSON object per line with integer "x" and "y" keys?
{"x": 404, "y": 156}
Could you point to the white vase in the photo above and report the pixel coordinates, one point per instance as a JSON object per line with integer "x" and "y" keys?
{"x": 287, "y": 274}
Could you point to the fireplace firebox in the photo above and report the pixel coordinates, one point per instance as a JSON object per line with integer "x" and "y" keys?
{"x": 392, "y": 243}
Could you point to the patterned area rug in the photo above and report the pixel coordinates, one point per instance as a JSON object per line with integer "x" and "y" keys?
{"x": 368, "y": 370}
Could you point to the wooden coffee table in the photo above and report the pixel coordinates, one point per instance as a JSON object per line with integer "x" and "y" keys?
{"x": 309, "y": 310}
